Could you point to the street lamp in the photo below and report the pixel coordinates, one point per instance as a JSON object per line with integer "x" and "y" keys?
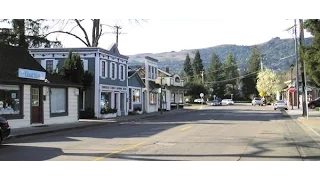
{"x": 292, "y": 95}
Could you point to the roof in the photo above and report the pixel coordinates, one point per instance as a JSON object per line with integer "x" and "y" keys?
{"x": 13, "y": 58}
{"x": 152, "y": 84}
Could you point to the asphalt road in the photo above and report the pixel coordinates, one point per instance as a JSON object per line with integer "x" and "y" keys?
{"x": 227, "y": 133}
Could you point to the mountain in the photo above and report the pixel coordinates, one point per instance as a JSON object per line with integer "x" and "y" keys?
{"x": 274, "y": 50}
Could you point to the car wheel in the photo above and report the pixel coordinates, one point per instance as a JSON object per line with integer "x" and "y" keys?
{"x": 275, "y": 108}
{"x": 286, "y": 109}
{"x": 312, "y": 106}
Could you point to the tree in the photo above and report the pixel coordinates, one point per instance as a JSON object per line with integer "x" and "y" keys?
{"x": 197, "y": 65}
{"x": 249, "y": 80}
{"x": 194, "y": 89}
{"x": 96, "y": 30}
{"x": 215, "y": 73}
{"x": 187, "y": 67}
{"x": 268, "y": 83}
{"x": 73, "y": 68}
{"x": 231, "y": 71}
{"x": 26, "y": 33}
{"x": 311, "y": 54}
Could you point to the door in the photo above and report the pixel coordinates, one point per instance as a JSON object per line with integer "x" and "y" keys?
{"x": 122, "y": 103}
{"x": 35, "y": 105}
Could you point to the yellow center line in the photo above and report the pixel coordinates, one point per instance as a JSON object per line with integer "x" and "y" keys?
{"x": 119, "y": 151}
{"x": 185, "y": 128}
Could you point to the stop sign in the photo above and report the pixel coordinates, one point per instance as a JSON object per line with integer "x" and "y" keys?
{"x": 292, "y": 89}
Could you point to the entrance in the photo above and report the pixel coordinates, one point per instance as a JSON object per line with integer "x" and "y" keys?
{"x": 36, "y": 105}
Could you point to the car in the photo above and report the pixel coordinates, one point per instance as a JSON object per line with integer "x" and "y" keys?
{"x": 4, "y": 129}
{"x": 315, "y": 103}
{"x": 227, "y": 101}
{"x": 215, "y": 103}
{"x": 257, "y": 101}
{"x": 198, "y": 101}
{"x": 280, "y": 105}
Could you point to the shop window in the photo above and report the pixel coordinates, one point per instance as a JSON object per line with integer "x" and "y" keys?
{"x": 58, "y": 101}
{"x": 105, "y": 101}
{"x": 136, "y": 95}
{"x": 152, "y": 98}
{"x": 49, "y": 65}
{"x": 82, "y": 100}
{"x": 10, "y": 100}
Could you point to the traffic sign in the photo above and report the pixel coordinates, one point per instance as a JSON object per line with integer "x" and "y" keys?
{"x": 201, "y": 95}
{"x": 292, "y": 89}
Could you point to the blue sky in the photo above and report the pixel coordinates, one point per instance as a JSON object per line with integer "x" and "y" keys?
{"x": 163, "y": 35}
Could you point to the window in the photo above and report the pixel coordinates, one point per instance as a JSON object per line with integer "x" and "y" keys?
{"x": 152, "y": 72}
{"x": 122, "y": 72}
{"x": 149, "y": 71}
{"x": 35, "y": 96}
{"x": 49, "y": 65}
{"x": 177, "y": 79}
{"x": 82, "y": 100}
{"x": 9, "y": 99}
{"x": 173, "y": 98}
{"x": 156, "y": 73}
{"x": 85, "y": 64}
{"x": 136, "y": 95}
{"x": 105, "y": 101}
{"x": 152, "y": 98}
{"x": 103, "y": 69}
{"x": 113, "y": 71}
{"x": 58, "y": 100}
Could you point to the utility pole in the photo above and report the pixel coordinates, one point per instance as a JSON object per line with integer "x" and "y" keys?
{"x": 303, "y": 73}
{"x": 297, "y": 63}
{"x": 202, "y": 74}
{"x": 117, "y": 33}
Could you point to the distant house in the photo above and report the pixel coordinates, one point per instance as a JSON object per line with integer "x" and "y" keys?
{"x": 136, "y": 86}
{"x": 109, "y": 89}
{"x": 29, "y": 96}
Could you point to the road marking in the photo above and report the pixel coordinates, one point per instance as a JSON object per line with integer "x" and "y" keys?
{"x": 119, "y": 151}
{"x": 185, "y": 128}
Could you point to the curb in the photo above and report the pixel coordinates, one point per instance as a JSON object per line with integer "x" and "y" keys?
{"x": 91, "y": 125}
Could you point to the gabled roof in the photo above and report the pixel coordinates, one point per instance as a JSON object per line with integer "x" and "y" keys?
{"x": 13, "y": 58}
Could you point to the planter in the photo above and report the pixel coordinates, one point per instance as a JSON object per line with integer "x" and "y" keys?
{"x": 139, "y": 112}
{"x": 110, "y": 115}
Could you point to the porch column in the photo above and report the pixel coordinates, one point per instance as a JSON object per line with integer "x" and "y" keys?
{"x": 112, "y": 100}
{"x": 178, "y": 99}
{"x": 118, "y": 104}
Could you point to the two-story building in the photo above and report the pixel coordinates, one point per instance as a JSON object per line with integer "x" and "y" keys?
{"x": 110, "y": 85}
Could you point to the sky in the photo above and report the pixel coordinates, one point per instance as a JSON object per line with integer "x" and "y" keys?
{"x": 164, "y": 35}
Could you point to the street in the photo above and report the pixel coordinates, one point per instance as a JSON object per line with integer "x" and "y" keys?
{"x": 223, "y": 133}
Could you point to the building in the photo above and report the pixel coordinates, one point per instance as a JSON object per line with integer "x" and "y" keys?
{"x": 109, "y": 90}
{"x": 29, "y": 96}
{"x": 312, "y": 91}
{"x": 136, "y": 87}
{"x": 173, "y": 91}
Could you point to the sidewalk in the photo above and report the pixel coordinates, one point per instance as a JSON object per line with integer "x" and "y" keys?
{"x": 85, "y": 123}
{"x": 311, "y": 124}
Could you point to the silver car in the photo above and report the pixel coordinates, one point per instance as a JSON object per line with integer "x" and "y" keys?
{"x": 280, "y": 105}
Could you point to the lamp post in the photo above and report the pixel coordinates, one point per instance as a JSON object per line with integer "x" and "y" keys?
{"x": 231, "y": 96}
{"x": 292, "y": 95}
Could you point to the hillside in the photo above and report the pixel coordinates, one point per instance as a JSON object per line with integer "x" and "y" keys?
{"x": 274, "y": 49}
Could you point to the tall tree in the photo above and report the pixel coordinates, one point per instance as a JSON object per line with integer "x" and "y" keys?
{"x": 96, "y": 30}
{"x": 215, "y": 73}
{"x": 197, "y": 65}
{"x": 187, "y": 67}
{"x": 231, "y": 71}
{"x": 73, "y": 68}
{"x": 311, "y": 55}
{"x": 26, "y": 33}
{"x": 249, "y": 80}
{"x": 268, "y": 83}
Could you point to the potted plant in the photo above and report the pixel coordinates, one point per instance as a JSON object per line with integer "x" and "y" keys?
{"x": 108, "y": 113}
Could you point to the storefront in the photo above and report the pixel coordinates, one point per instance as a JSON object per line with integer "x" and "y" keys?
{"x": 113, "y": 98}
{"x": 29, "y": 96}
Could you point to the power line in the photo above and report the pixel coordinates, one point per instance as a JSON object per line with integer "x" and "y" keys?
{"x": 216, "y": 82}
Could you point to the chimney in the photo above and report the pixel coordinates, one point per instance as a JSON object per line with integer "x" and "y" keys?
{"x": 167, "y": 69}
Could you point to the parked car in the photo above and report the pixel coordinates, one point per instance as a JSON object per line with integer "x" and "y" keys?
{"x": 280, "y": 105}
{"x": 215, "y": 103}
{"x": 227, "y": 101}
{"x": 198, "y": 101}
{"x": 315, "y": 103}
{"x": 4, "y": 129}
{"x": 257, "y": 101}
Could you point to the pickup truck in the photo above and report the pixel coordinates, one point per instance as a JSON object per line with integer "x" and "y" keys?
{"x": 257, "y": 101}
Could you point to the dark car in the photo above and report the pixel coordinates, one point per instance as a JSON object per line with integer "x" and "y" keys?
{"x": 4, "y": 129}
{"x": 315, "y": 103}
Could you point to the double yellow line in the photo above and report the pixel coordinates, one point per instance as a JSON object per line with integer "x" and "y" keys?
{"x": 185, "y": 128}
{"x": 119, "y": 151}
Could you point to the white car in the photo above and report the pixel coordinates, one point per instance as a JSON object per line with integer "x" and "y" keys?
{"x": 198, "y": 101}
{"x": 280, "y": 105}
{"x": 257, "y": 101}
{"x": 227, "y": 101}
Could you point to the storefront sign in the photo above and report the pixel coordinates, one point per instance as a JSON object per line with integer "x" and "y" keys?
{"x": 113, "y": 88}
{"x": 31, "y": 74}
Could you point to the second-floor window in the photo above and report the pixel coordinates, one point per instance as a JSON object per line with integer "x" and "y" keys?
{"x": 113, "y": 71}
{"x": 49, "y": 65}
{"x": 103, "y": 69}
{"x": 122, "y": 72}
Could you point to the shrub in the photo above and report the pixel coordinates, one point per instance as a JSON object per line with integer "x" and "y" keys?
{"x": 137, "y": 109}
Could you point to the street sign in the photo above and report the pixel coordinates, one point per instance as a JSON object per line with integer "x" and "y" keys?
{"x": 201, "y": 95}
{"x": 292, "y": 89}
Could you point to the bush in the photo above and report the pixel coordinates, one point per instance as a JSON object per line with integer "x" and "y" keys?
{"x": 137, "y": 109}
{"x": 87, "y": 114}
{"x": 108, "y": 111}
